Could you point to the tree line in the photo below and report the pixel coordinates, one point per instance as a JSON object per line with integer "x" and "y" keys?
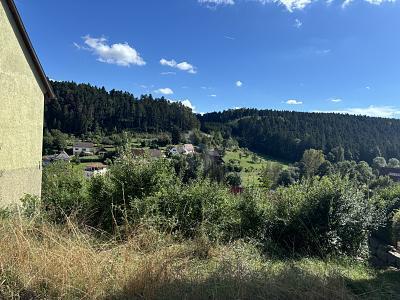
{"x": 82, "y": 108}
{"x": 287, "y": 134}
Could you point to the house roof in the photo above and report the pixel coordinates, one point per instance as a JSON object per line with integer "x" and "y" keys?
{"x": 25, "y": 38}
{"x": 155, "y": 153}
{"x": 188, "y": 147}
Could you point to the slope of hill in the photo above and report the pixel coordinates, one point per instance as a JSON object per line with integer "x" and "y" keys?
{"x": 80, "y": 108}
{"x": 286, "y": 134}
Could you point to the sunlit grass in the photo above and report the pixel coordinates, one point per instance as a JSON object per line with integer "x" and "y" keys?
{"x": 48, "y": 262}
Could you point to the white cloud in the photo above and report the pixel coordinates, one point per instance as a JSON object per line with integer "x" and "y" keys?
{"x": 187, "y": 103}
{"x": 212, "y": 95}
{"x": 294, "y": 102}
{"x": 229, "y": 37}
{"x": 323, "y": 52}
{"x": 183, "y": 66}
{"x": 213, "y": 3}
{"x": 336, "y": 100}
{"x": 368, "y": 87}
{"x": 298, "y": 23}
{"x": 164, "y": 91}
{"x": 291, "y": 5}
{"x": 239, "y": 83}
{"x": 117, "y": 54}
{"x": 371, "y": 111}
{"x": 168, "y": 73}
{"x": 374, "y": 2}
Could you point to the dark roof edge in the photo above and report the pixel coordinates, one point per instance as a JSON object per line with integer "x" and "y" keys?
{"x": 21, "y": 28}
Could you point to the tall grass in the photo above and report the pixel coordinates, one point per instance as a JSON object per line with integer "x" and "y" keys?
{"x": 43, "y": 261}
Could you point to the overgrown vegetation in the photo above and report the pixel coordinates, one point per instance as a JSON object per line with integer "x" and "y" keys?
{"x": 320, "y": 216}
{"x": 162, "y": 229}
{"x": 50, "y": 262}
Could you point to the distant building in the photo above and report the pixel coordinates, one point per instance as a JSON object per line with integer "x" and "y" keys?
{"x": 138, "y": 152}
{"x": 62, "y": 156}
{"x": 23, "y": 90}
{"x": 187, "y": 149}
{"x": 84, "y": 148}
{"x": 393, "y": 173}
{"x": 156, "y": 153}
{"x": 95, "y": 169}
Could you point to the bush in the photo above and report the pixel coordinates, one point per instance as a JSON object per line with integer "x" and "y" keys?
{"x": 64, "y": 191}
{"x": 127, "y": 181}
{"x": 199, "y": 208}
{"x": 396, "y": 228}
{"x": 388, "y": 200}
{"x": 322, "y": 216}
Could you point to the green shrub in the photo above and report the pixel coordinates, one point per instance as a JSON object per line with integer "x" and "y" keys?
{"x": 396, "y": 228}
{"x": 388, "y": 200}
{"x": 127, "y": 181}
{"x": 199, "y": 208}
{"x": 64, "y": 191}
{"x": 322, "y": 216}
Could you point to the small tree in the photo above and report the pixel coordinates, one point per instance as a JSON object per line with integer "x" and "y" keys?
{"x": 312, "y": 160}
{"x": 176, "y": 135}
{"x": 379, "y": 162}
{"x": 234, "y": 179}
{"x": 394, "y": 163}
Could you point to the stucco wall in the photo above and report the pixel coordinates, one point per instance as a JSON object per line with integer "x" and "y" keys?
{"x": 21, "y": 115}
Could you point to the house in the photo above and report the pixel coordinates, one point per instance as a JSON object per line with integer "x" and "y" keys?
{"x": 62, "y": 156}
{"x": 84, "y": 148}
{"x": 95, "y": 169}
{"x": 138, "y": 152}
{"x": 155, "y": 153}
{"x": 187, "y": 149}
{"x": 23, "y": 89}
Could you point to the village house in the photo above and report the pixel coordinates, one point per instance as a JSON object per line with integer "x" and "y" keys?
{"x": 156, "y": 153}
{"x": 23, "y": 90}
{"x": 138, "y": 152}
{"x": 187, "y": 149}
{"x": 62, "y": 156}
{"x": 84, "y": 148}
{"x": 95, "y": 169}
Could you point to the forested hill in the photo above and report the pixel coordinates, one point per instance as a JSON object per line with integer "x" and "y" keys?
{"x": 286, "y": 135}
{"x": 80, "y": 108}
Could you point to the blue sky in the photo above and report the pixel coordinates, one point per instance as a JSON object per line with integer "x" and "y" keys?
{"x": 218, "y": 54}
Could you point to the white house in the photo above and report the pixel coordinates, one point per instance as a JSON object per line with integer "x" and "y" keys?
{"x": 95, "y": 169}
{"x": 85, "y": 148}
{"x": 187, "y": 149}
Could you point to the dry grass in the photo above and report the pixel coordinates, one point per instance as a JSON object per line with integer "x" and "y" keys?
{"x": 47, "y": 262}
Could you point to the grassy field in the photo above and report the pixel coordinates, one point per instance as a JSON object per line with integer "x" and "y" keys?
{"x": 42, "y": 261}
{"x": 251, "y": 166}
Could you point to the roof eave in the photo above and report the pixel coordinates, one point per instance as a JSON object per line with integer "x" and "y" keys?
{"x": 21, "y": 28}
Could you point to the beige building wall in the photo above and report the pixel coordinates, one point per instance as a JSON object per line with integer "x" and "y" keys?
{"x": 21, "y": 115}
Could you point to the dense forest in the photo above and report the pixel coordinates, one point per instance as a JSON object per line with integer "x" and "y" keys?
{"x": 286, "y": 134}
{"x": 81, "y": 108}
